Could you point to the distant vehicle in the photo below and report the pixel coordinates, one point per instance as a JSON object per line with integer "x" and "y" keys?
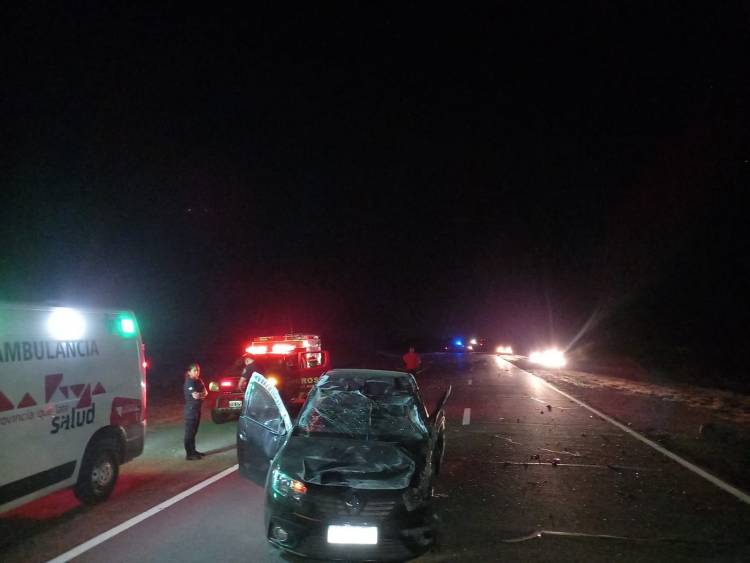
{"x": 456, "y": 345}
{"x": 291, "y": 362}
{"x": 504, "y": 349}
{"x": 353, "y": 477}
{"x": 549, "y": 357}
{"x": 470, "y": 345}
{"x": 72, "y": 400}
{"x": 476, "y": 345}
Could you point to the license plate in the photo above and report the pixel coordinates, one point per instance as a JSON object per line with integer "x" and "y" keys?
{"x": 360, "y": 535}
{"x": 235, "y": 404}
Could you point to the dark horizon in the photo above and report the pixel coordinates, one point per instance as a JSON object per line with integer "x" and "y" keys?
{"x": 533, "y": 176}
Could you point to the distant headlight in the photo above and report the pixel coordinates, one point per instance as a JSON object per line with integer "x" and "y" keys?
{"x": 551, "y": 358}
{"x": 504, "y": 350}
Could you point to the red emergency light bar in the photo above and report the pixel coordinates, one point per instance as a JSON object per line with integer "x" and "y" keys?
{"x": 282, "y": 345}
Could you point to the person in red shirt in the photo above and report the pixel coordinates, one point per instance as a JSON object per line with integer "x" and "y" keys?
{"x": 412, "y": 361}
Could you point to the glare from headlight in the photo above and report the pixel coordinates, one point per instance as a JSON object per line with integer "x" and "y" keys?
{"x": 551, "y": 358}
{"x": 504, "y": 350}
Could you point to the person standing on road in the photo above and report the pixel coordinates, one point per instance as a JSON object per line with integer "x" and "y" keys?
{"x": 247, "y": 372}
{"x": 195, "y": 392}
{"x": 412, "y": 361}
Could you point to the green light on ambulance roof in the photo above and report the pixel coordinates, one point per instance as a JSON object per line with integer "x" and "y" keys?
{"x": 127, "y": 326}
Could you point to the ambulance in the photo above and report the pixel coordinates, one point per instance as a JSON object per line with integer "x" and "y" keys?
{"x": 72, "y": 400}
{"x": 291, "y": 362}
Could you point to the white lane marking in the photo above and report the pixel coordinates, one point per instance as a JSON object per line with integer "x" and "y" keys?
{"x": 732, "y": 490}
{"x": 104, "y": 536}
{"x": 470, "y": 382}
{"x": 467, "y": 417}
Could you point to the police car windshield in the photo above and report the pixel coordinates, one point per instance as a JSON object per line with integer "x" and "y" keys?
{"x": 364, "y": 409}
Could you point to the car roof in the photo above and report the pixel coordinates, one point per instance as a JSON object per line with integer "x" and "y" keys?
{"x": 371, "y": 382}
{"x": 360, "y": 373}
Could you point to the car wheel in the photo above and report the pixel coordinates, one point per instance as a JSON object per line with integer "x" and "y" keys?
{"x": 99, "y": 471}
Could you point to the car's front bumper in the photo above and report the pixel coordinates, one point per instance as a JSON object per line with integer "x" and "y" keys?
{"x": 401, "y": 534}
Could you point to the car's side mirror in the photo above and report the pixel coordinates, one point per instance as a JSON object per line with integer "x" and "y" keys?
{"x": 213, "y": 386}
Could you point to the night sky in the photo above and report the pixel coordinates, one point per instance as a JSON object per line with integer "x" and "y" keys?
{"x": 568, "y": 175}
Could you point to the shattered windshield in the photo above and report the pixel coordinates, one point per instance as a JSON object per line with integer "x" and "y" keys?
{"x": 382, "y": 409}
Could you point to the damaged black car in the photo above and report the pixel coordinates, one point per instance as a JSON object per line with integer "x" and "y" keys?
{"x": 352, "y": 478}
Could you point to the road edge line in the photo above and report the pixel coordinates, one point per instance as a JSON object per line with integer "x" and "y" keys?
{"x": 734, "y": 491}
{"x": 112, "y": 532}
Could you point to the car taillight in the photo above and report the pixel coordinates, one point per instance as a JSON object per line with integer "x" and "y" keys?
{"x": 227, "y": 384}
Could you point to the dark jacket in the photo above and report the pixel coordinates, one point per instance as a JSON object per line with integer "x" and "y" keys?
{"x": 193, "y": 386}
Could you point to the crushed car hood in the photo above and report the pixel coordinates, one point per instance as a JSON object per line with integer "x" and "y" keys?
{"x": 344, "y": 462}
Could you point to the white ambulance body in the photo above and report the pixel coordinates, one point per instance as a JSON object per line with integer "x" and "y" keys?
{"x": 72, "y": 400}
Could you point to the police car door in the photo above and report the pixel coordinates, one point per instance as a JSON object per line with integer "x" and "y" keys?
{"x": 262, "y": 429}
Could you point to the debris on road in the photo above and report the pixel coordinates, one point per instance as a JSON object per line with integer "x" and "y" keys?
{"x": 564, "y": 452}
{"x": 507, "y": 439}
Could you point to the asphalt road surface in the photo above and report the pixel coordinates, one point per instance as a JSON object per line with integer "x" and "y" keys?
{"x": 529, "y": 475}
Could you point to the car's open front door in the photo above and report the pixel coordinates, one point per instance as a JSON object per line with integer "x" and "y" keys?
{"x": 438, "y": 414}
{"x": 262, "y": 428}
{"x": 437, "y": 419}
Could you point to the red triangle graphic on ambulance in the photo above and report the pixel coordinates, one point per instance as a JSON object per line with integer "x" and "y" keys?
{"x": 51, "y": 383}
{"x": 98, "y": 390}
{"x": 85, "y": 398}
{"x": 5, "y": 404}
{"x": 64, "y": 390}
{"x": 77, "y": 388}
{"x": 26, "y": 401}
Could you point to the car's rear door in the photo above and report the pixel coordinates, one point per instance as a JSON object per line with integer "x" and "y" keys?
{"x": 262, "y": 429}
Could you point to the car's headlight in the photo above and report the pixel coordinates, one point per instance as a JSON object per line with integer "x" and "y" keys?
{"x": 285, "y": 486}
